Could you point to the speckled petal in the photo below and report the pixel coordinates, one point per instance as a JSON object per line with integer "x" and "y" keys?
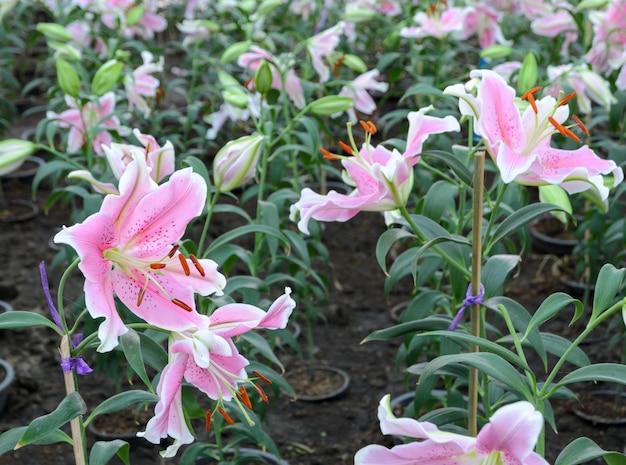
{"x": 100, "y": 303}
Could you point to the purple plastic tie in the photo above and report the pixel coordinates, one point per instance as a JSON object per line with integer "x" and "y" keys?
{"x": 469, "y": 300}
{"x": 72, "y": 363}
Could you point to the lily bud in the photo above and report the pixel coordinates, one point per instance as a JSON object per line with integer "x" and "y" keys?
{"x": 263, "y": 78}
{"x": 13, "y": 152}
{"x": 527, "y": 77}
{"x": 496, "y": 51}
{"x": 134, "y": 15}
{"x": 233, "y": 51}
{"x": 68, "y": 78}
{"x": 235, "y": 163}
{"x": 54, "y": 31}
{"x": 330, "y": 105}
{"x": 106, "y": 77}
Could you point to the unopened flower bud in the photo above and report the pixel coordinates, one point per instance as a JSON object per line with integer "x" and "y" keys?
{"x": 527, "y": 77}
{"x": 106, "y": 77}
{"x": 496, "y": 51}
{"x": 236, "y": 162}
{"x": 354, "y": 63}
{"x": 13, "y": 152}
{"x": 234, "y": 51}
{"x": 54, "y": 31}
{"x": 65, "y": 51}
{"x": 331, "y": 104}
{"x": 134, "y": 15}
{"x": 68, "y": 78}
{"x": 263, "y": 78}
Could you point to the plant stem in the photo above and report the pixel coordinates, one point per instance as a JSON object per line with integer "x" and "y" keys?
{"x": 80, "y": 452}
{"x": 207, "y": 222}
{"x": 475, "y": 313}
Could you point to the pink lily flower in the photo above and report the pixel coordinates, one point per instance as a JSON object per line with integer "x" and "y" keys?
{"x": 113, "y": 14}
{"x": 159, "y": 159}
{"x": 588, "y": 85}
{"x": 95, "y": 118}
{"x": 609, "y": 39}
{"x": 483, "y": 20}
{"x": 290, "y": 82}
{"x": 509, "y": 438}
{"x": 141, "y": 83}
{"x": 126, "y": 249}
{"x": 207, "y": 358}
{"x": 520, "y": 143}
{"x": 436, "y": 23}
{"x": 382, "y": 178}
{"x": 358, "y": 91}
{"x": 321, "y": 46}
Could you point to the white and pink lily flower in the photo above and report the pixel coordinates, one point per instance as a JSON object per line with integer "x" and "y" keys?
{"x": 520, "y": 143}
{"x": 141, "y": 83}
{"x": 588, "y": 85}
{"x": 382, "y": 178}
{"x": 359, "y": 90}
{"x": 508, "y": 439}
{"x": 609, "y": 39}
{"x": 160, "y": 161}
{"x": 437, "y": 23}
{"x": 93, "y": 121}
{"x": 127, "y": 250}
{"x": 207, "y": 358}
{"x": 321, "y": 47}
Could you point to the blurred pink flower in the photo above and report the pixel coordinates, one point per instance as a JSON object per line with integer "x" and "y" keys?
{"x": 520, "y": 144}
{"x": 609, "y": 38}
{"x": 509, "y": 438}
{"x": 436, "y": 23}
{"x": 141, "y": 83}
{"x": 359, "y": 89}
{"x": 93, "y": 121}
{"x": 321, "y": 46}
{"x": 207, "y": 358}
{"x": 382, "y": 178}
{"x": 126, "y": 249}
{"x": 484, "y": 21}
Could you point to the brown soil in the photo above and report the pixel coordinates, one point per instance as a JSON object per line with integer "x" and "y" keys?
{"x": 305, "y": 433}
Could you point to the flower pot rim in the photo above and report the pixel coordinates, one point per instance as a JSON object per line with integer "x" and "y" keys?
{"x": 38, "y": 161}
{"x": 5, "y": 306}
{"x": 9, "y": 374}
{"x": 328, "y": 396}
{"x": 270, "y": 458}
{"x": 597, "y": 419}
{"x": 32, "y": 211}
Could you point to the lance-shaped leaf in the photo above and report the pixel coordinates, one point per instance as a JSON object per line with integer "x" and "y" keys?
{"x": 70, "y": 407}
{"x": 584, "y": 450}
{"x": 103, "y": 451}
{"x": 121, "y": 401}
{"x": 22, "y": 319}
{"x": 609, "y": 282}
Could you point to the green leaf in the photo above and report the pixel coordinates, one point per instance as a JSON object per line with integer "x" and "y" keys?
{"x": 609, "y": 282}
{"x": 386, "y": 241}
{"x": 433, "y": 322}
{"x": 9, "y": 439}
{"x": 132, "y": 350}
{"x": 550, "y": 307}
{"x": 608, "y": 372}
{"x": 69, "y": 408}
{"x": 199, "y": 167}
{"x": 269, "y": 217}
{"x": 103, "y": 451}
{"x": 452, "y": 162}
{"x": 242, "y": 231}
{"x": 496, "y": 271}
{"x": 439, "y": 199}
{"x": 583, "y": 450}
{"x": 490, "y": 364}
{"x": 22, "y": 319}
{"x": 557, "y": 345}
{"x": 486, "y": 345}
{"x": 556, "y": 195}
{"x": 121, "y": 401}
{"x": 518, "y": 220}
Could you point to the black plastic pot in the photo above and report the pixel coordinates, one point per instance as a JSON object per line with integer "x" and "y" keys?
{"x": 7, "y": 375}
{"x": 548, "y": 235}
{"x": 245, "y": 456}
{"x": 302, "y": 392}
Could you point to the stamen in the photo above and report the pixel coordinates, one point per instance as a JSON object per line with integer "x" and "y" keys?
{"x": 197, "y": 264}
{"x": 261, "y": 393}
{"x": 531, "y": 100}
{"x": 242, "y": 395}
{"x": 570, "y": 134}
{"x": 532, "y": 91}
{"x": 173, "y": 251}
{"x": 567, "y": 98}
{"x": 261, "y": 377}
{"x": 345, "y": 147}
{"x": 157, "y": 266}
{"x": 207, "y": 420}
{"x": 182, "y": 305}
{"x": 183, "y": 263}
{"x": 142, "y": 292}
{"x": 580, "y": 124}
{"x": 528, "y": 95}
{"x": 368, "y": 126}
{"x": 226, "y": 416}
{"x": 557, "y": 125}
{"x": 338, "y": 64}
{"x": 328, "y": 155}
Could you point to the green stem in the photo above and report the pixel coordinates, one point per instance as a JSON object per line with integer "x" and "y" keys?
{"x": 494, "y": 216}
{"x": 207, "y": 221}
{"x": 475, "y": 319}
{"x": 258, "y": 237}
{"x": 62, "y": 282}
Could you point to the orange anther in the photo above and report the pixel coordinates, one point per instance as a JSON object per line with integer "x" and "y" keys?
{"x": 242, "y": 395}
{"x": 368, "y": 126}
{"x": 261, "y": 377}
{"x": 557, "y": 125}
{"x": 570, "y": 134}
{"x": 345, "y": 147}
{"x": 183, "y": 263}
{"x": 173, "y": 251}
{"x": 580, "y": 124}
{"x": 182, "y": 305}
{"x": 142, "y": 292}
{"x": 329, "y": 155}
{"x": 197, "y": 264}
{"x": 567, "y": 98}
{"x": 226, "y": 416}
{"x": 532, "y": 91}
{"x": 157, "y": 266}
{"x": 207, "y": 420}
{"x": 261, "y": 393}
